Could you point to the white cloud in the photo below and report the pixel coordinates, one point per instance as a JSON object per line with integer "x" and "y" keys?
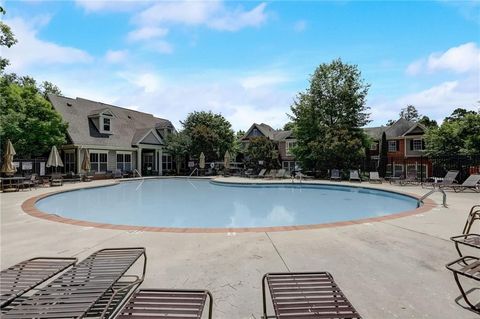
{"x": 213, "y": 14}
{"x": 259, "y": 80}
{"x": 148, "y": 82}
{"x": 300, "y": 26}
{"x": 118, "y": 56}
{"x": 436, "y": 102}
{"x": 460, "y": 59}
{"x": 147, "y": 33}
{"x": 30, "y": 50}
{"x": 111, "y": 5}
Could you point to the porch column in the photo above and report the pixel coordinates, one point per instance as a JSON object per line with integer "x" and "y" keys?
{"x": 139, "y": 160}
{"x": 155, "y": 160}
{"x": 79, "y": 160}
{"x": 160, "y": 164}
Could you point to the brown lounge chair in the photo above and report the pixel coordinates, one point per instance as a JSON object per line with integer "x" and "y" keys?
{"x": 467, "y": 239}
{"x": 167, "y": 303}
{"x": 57, "y": 180}
{"x": 468, "y": 267}
{"x": 23, "y": 277}
{"x": 473, "y": 216}
{"x": 449, "y": 180}
{"x": 96, "y": 287}
{"x": 471, "y": 183}
{"x": 306, "y": 295}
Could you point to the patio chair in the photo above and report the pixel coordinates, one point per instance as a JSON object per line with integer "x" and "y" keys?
{"x": 306, "y": 295}
{"x": 88, "y": 177}
{"x": 354, "y": 176}
{"x": 56, "y": 180}
{"x": 468, "y": 267}
{"x": 30, "y": 181}
{"x": 167, "y": 303}
{"x": 271, "y": 174}
{"x": 449, "y": 180}
{"x": 16, "y": 280}
{"x": 411, "y": 177}
{"x": 473, "y": 216}
{"x": 374, "y": 178}
{"x": 97, "y": 287}
{"x": 262, "y": 172}
{"x": 470, "y": 240}
{"x": 72, "y": 177}
{"x": 117, "y": 174}
{"x": 280, "y": 173}
{"x": 471, "y": 183}
{"x": 335, "y": 174}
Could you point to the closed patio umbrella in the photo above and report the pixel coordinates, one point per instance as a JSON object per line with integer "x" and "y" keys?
{"x": 226, "y": 160}
{"x": 202, "y": 161}
{"x": 7, "y": 166}
{"x": 86, "y": 161}
{"x": 54, "y": 159}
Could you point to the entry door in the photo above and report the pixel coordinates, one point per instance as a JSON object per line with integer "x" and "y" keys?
{"x": 148, "y": 162}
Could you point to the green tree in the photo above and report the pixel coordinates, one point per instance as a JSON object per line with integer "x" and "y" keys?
{"x": 458, "y": 134}
{"x": 288, "y": 126}
{"x": 410, "y": 113}
{"x": 209, "y": 133}
{"x": 49, "y": 88}
{"x": 427, "y": 122}
{"x": 263, "y": 149}
{"x": 27, "y": 118}
{"x": 383, "y": 159}
{"x": 7, "y": 39}
{"x": 328, "y": 118}
{"x": 178, "y": 146}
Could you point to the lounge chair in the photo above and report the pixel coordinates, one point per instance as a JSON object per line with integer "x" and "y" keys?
{"x": 335, "y": 175}
{"x": 306, "y": 295}
{"x": 374, "y": 178}
{"x": 88, "y": 177}
{"x": 30, "y": 181}
{"x": 354, "y": 176}
{"x": 449, "y": 180}
{"x": 271, "y": 174}
{"x": 56, "y": 180}
{"x": 473, "y": 216}
{"x": 301, "y": 176}
{"x": 411, "y": 177}
{"x": 280, "y": 173}
{"x": 471, "y": 183}
{"x": 167, "y": 303}
{"x": 117, "y": 174}
{"x": 468, "y": 267}
{"x": 72, "y": 177}
{"x": 17, "y": 280}
{"x": 97, "y": 286}
{"x": 262, "y": 172}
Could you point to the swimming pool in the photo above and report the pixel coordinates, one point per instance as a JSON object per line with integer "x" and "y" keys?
{"x": 205, "y": 204}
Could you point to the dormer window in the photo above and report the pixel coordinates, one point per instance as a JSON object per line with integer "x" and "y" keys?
{"x": 106, "y": 124}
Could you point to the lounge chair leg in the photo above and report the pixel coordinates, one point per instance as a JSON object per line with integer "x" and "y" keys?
{"x": 210, "y": 305}
{"x": 464, "y": 295}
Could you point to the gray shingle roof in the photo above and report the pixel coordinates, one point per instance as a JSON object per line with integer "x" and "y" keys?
{"x": 395, "y": 130}
{"x": 126, "y": 125}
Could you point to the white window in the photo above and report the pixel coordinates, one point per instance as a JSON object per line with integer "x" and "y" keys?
{"x": 288, "y": 147}
{"x": 98, "y": 161}
{"x": 124, "y": 161}
{"x": 106, "y": 124}
{"x": 167, "y": 162}
{"x": 373, "y": 146}
{"x": 417, "y": 145}
{"x": 69, "y": 161}
{"x": 392, "y": 146}
{"x": 289, "y": 165}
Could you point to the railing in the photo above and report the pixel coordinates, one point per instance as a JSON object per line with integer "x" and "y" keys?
{"x": 138, "y": 173}
{"x": 195, "y": 170}
{"x": 444, "y": 201}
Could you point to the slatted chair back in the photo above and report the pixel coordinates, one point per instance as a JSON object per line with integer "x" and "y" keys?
{"x": 72, "y": 294}
{"x": 26, "y": 275}
{"x": 473, "y": 216}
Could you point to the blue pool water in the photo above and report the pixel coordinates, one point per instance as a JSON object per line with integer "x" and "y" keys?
{"x": 201, "y": 203}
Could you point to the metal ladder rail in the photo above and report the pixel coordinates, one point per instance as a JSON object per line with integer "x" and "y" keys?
{"x": 444, "y": 201}
{"x": 196, "y": 169}
{"x": 138, "y": 173}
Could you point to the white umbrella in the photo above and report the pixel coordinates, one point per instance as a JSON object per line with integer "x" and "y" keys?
{"x": 54, "y": 159}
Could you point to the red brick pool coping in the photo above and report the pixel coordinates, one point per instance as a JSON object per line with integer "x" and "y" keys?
{"x": 28, "y": 207}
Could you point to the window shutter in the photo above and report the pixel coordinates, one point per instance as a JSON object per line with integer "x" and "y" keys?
{"x": 398, "y": 145}
{"x": 411, "y": 145}
{"x": 423, "y": 144}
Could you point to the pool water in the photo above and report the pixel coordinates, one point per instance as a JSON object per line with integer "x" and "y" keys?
{"x": 201, "y": 203}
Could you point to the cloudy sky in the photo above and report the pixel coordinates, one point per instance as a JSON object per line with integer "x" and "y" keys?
{"x": 247, "y": 60}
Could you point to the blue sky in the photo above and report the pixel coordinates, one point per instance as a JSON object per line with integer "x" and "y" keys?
{"x": 247, "y": 60}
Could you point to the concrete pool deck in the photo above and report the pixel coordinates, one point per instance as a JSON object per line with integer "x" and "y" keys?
{"x": 392, "y": 268}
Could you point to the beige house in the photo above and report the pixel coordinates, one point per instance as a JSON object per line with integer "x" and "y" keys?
{"x": 116, "y": 138}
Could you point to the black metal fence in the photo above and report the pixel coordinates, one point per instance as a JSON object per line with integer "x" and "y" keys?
{"x": 428, "y": 166}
